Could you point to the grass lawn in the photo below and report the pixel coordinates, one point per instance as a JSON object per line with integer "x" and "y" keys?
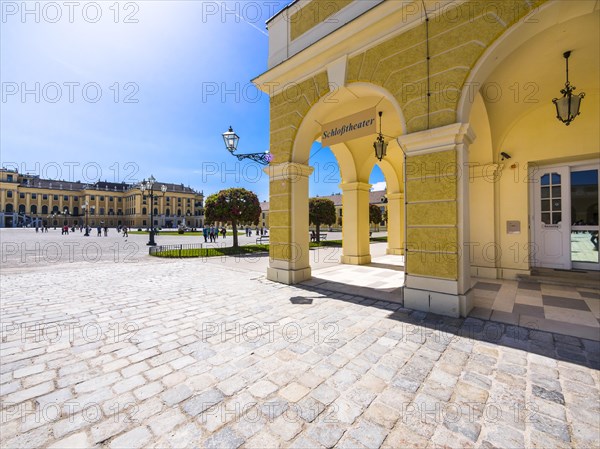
{"x": 214, "y": 252}
{"x": 245, "y": 249}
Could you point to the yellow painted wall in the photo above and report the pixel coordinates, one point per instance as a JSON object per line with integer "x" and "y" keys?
{"x": 482, "y": 181}
{"x": 537, "y": 138}
{"x": 431, "y": 193}
{"x": 457, "y": 39}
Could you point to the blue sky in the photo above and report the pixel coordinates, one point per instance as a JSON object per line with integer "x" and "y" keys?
{"x": 119, "y": 91}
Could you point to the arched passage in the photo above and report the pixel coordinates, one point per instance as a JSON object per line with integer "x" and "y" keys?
{"x": 511, "y": 112}
{"x": 289, "y": 180}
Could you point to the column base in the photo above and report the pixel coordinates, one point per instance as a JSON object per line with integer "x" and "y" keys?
{"x": 440, "y": 303}
{"x": 441, "y": 296}
{"x": 288, "y": 276}
{"x": 356, "y": 260}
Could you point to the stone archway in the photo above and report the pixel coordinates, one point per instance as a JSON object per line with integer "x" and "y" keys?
{"x": 288, "y": 218}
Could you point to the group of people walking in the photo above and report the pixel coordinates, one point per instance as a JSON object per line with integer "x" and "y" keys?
{"x": 102, "y": 230}
{"x": 211, "y": 234}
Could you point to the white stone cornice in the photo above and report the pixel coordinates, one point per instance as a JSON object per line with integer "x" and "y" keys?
{"x": 437, "y": 139}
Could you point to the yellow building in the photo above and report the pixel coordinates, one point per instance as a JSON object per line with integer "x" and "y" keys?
{"x": 482, "y": 178}
{"x": 27, "y": 200}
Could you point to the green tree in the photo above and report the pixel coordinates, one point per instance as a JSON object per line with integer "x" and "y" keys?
{"x": 321, "y": 211}
{"x": 235, "y": 205}
{"x": 374, "y": 214}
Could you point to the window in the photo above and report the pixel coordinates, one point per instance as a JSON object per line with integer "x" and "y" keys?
{"x": 44, "y": 210}
{"x": 119, "y": 200}
{"x": 33, "y": 209}
{"x": 110, "y": 198}
{"x": 34, "y": 196}
{"x": 55, "y": 197}
{"x": 551, "y": 199}
{"x": 75, "y": 198}
{"x": 21, "y": 195}
{"x": 101, "y": 211}
{"x": 9, "y": 194}
{"x": 101, "y": 198}
{"x": 9, "y": 178}
{"x": 92, "y": 197}
{"x": 66, "y": 198}
{"x": 44, "y": 196}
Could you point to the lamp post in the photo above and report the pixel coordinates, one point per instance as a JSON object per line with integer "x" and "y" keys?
{"x": 148, "y": 186}
{"x": 85, "y": 208}
{"x": 231, "y": 140}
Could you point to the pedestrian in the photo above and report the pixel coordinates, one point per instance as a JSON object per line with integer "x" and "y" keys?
{"x": 105, "y": 231}
{"x": 125, "y": 231}
{"x": 223, "y": 232}
{"x": 205, "y": 233}
{"x": 99, "y": 231}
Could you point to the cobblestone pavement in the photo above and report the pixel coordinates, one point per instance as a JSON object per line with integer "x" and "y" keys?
{"x": 180, "y": 353}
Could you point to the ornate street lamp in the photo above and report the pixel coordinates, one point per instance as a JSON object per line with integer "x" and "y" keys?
{"x": 86, "y": 211}
{"x": 567, "y": 107}
{"x": 231, "y": 140}
{"x": 148, "y": 186}
{"x": 380, "y": 145}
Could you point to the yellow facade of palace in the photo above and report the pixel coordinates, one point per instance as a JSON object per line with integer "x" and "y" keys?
{"x": 462, "y": 85}
{"x": 27, "y": 200}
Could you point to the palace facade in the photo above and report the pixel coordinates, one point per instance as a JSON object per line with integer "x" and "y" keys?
{"x": 28, "y": 200}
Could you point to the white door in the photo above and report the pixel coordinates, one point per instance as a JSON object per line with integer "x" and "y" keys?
{"x": 552, "y": 218}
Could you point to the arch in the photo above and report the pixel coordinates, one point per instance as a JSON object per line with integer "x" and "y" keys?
{"x": 9, "y": 208}
{"x": 33, "y": 209}
{"x": 354, "y": 96}
{"x": 548, "y": 15}
{"x": 21, "y": 208}
{"x": 44, "y": 210}
{"x": 144, "y": 211}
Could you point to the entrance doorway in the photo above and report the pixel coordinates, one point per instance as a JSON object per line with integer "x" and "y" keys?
{"x": 565, "y": 223}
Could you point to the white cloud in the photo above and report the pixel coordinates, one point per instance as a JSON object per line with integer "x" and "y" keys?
{"x": 378, "y": 186}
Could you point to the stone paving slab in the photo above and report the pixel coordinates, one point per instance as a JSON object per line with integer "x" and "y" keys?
{"x": 178, "y": 353}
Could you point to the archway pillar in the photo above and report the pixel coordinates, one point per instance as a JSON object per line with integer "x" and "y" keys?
{"x": 437, "y": 255}
{"x": 355, "y": 231}
{"x": 288, "y": 223}
{"x": 395, "y": 223}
